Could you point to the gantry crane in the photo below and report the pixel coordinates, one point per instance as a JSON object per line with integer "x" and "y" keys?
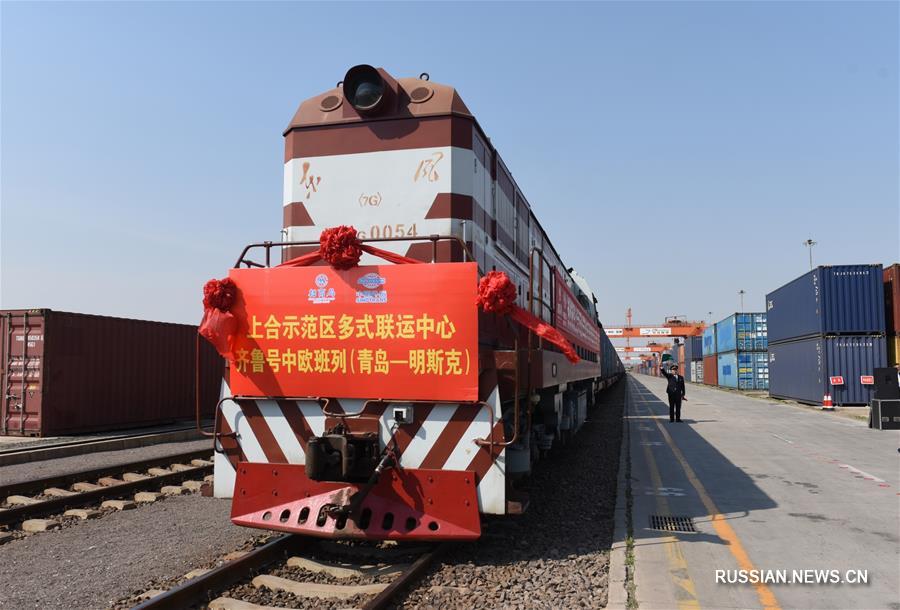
{"x": 674, "y": 326}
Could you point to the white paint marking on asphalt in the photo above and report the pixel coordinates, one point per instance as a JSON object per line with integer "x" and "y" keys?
{"x": 663, "y": 491}
{"x": 865, "y": 475}
{"x": 783, "y": 439}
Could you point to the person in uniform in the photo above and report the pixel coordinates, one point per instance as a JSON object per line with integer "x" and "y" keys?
{"x": 675, "y": 391}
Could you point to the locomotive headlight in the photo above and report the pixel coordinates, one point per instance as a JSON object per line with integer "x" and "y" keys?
{"x": 364, "y": 88}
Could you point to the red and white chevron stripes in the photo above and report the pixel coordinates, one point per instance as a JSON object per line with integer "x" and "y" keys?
{"x": 441, "y": 436}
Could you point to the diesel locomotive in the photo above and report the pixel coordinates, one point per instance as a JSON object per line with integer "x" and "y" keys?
{"x": 375, "y": 398}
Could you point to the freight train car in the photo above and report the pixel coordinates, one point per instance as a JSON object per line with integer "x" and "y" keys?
{"x": 373, "y": 400}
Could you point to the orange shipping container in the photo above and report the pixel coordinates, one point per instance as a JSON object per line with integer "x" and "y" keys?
{"x": 710, "y": 370}
{"x": 892, "y": 300}
{"x": 893, "y": 350}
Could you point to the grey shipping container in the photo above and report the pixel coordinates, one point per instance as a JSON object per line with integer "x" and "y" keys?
{"x": 802, "y": 369}
{"x": 66, "y": 373}
{"x": 829, "y": 300}
{"x": 693, "y": 349}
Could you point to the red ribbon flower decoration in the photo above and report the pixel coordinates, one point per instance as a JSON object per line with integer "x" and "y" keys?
{"x": 497, "y": 294}
{"x": 219, "y": 326}
{"x": 340, "y": 247}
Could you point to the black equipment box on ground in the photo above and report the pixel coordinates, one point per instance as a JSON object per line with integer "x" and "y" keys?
{"x": 885, "y": 414}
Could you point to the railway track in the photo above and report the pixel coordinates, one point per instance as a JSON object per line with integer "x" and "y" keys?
{"x": 38, "y": 450}
{"x": 302, "y": 572}
{"x": 23, "y": 503}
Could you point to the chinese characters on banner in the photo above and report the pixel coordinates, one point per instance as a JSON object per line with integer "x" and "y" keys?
{"x": 407, "y": 332}
{"x": 571, "y": 319}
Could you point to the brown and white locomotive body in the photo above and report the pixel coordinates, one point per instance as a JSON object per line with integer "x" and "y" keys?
{"x": 406, "y": 163}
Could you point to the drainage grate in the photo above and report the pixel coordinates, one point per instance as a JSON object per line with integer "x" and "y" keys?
{"x": 669, "y": 523}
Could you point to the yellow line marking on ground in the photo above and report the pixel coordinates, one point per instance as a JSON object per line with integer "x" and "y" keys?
{"x": 720, "y": 524}
{"x": 685, "y": 591}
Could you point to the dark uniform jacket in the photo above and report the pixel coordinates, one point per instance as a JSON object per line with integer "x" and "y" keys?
{"x": 675, "y": 385}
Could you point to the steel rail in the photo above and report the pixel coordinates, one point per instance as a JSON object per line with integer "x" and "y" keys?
{"x": 85, "y": 498}
{"x": 202, "y": 588}
{"x": 198, "y": 589}
{"x": 89, "y": 441}
{"x": 64, "y": 480}
{"x": 415, "y": 571}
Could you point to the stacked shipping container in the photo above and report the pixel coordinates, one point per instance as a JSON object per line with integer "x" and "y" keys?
{"x": 64, "y": 373}
{"x": 741, "y": 359}
{"x": 693, "y": 359}
{"x": 829, "y": 322}
{"x": 892, "y": 312}
{"x": 710, "y": 364}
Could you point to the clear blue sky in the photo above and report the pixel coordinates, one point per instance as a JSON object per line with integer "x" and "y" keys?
{"x": 675, "y": 152}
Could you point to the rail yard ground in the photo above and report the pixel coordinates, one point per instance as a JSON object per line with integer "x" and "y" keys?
{"x": 768, "y": 487}
{"x": 95, "y": 563}
{"x": 556, "y": 553}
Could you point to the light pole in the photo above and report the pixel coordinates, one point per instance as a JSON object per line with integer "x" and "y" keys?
{"x": 809, "y": 243}
{"x": 742, "y": 293}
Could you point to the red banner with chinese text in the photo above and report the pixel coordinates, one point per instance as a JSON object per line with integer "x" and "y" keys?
{"x": 406, "y": 332}
{"x": 571, "y": 318}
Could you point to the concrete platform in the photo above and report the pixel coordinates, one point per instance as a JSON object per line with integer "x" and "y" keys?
{"x": 769, "y": 488}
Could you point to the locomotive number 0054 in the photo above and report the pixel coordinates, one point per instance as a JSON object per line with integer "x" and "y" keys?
{"x": 397, "y": 230}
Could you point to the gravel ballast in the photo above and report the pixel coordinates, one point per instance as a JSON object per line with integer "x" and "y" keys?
{"x": 97, "y": 562}
{"x": 556, "y": 555}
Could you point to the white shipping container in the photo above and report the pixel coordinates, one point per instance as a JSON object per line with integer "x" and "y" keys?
{"x": 697, "y": 371}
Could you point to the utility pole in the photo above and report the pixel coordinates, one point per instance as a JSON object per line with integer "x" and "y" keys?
{"x": 809, "y": 243}
{"x": 742, "y": 293}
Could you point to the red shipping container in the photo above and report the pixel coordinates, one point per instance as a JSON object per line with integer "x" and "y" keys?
{"x": 711, "y": 370}
{"x": 65, "y": 373}
{"x": 892, "y": 299}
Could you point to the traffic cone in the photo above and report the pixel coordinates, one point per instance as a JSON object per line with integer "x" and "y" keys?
{"x": 826, "y": 403}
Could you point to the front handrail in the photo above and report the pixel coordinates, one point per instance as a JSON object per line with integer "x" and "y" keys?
{"x": 216, "y": 434}
{"x": 268, "y": 245}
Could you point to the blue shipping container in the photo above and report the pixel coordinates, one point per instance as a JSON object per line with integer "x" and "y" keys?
{"x": 743, "y": 370}
{"x": 725, "y": 335}
{"x": 728, "y": 369}
{"x": 839, "y": 299}
{"x": 753, "y": 370}
{"x": 742, "y": 332}
{"x": 801, "y": 369}
{"x": 709, "y": 340}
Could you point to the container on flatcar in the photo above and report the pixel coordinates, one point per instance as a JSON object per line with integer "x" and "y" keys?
{"x": 65, "y": 373}
{"x": 829, "y": 300}
{"x": 802, "y": 369}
